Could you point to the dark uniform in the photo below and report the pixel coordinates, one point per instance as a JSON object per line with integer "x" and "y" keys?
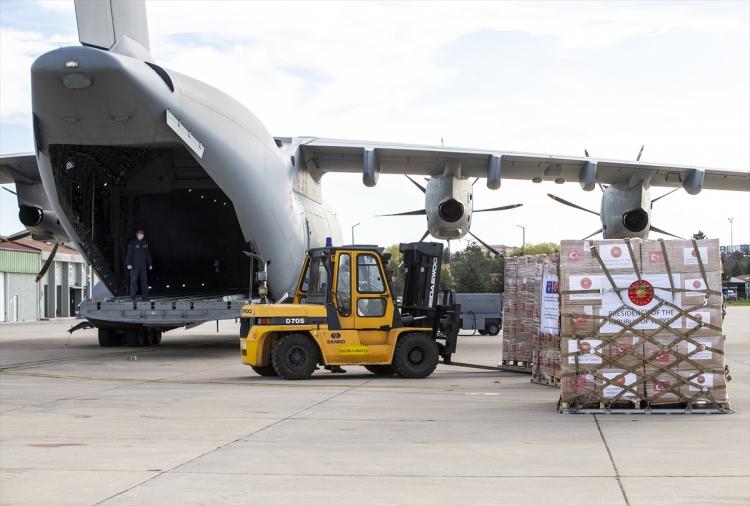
{"x": 139, "y": 257}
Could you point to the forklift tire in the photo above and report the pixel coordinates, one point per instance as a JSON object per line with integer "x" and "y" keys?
{"x": 482, "y": 332}
{"x": 493, "y": 329}
{"x": 107, "y": 338}
{"x": 381, "y": 370}
{"x": 264, "y": 370}
{"x": 295, "y": 357}
{"x": 416, "y": 356}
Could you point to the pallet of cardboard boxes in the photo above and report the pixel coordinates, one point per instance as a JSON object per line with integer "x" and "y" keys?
{"x": 641, "y": 326}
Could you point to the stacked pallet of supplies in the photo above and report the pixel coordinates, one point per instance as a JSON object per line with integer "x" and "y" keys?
{"x": 545, "y": 343}
{"x": 521, "y": 298}
{"x": 641, "y": 325}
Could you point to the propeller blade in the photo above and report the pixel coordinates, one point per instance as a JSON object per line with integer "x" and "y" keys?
{"x": 576, "y": 206}
{"x": 502, "y": 208}
{"x": 475, "y": 181}
{"x": 655, "y": 229}
{"x": 592, "y": 235}
{"x": 416, "y": 184}
{"x": 586, "y": 151}
{"x": 425, "y": 235}
{"x": 49, "y": 261}
{"x": 407, "y": 213}
{"x": 638, "y": 158}
{"x": 9, "y": 190}
{"x": 490, "y": 248}
{"x": 662, "y": 196}
{"x": 602, "y": 187}
{"x": 16, "y": 236}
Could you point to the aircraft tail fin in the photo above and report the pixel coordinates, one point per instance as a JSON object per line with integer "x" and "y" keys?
{"x": 112, "y": 25}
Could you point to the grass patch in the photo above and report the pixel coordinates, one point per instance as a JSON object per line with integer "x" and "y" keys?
{"x": 738, "y": 303}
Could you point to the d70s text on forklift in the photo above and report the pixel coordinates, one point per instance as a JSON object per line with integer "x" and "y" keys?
{"x": 344, "y": 313}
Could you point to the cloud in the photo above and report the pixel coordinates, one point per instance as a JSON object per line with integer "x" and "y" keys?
{"x": 538, "y": 77}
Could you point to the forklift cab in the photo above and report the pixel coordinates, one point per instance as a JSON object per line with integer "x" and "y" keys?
{"x": 352, "y": 281}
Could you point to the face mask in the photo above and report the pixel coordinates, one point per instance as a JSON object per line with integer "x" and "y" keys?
{"x": 140, "y": 237}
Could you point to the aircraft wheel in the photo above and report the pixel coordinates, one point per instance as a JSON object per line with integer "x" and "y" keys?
{"x": 107, "y": 338}
{"x": 295, "y": 357}
{"x": 264, "y": 370}
{"x": 416, "y": 356}
{"x": 134, "y": 337}
{"x": 381, "y": 370}
{"x": 493, "y": 329}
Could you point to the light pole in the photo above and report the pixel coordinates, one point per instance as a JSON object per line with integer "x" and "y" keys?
{"x": 731, "y": 233}
{"x": 523, "y": 244}
{"x": 355, "y": 225}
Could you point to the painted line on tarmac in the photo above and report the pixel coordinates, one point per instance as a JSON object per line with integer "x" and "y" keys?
{"x": 279, "y": 384}
{"x": 131, "y": 351}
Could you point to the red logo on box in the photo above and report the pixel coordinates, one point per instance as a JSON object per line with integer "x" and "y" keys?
{"x": 694, "y": 253}
{"x": 641, "y": 292}
{"x": 661, "y": 385}
{"x": 701, "y": 379}
{"x": 585, "y": 347}
{"x": 574, "y": 255}
{"x": 696, "y": 284}
{"x": 616, "y": 252}
{"x": 656, "y": 256}
{"x": 580, "y": 318}
{"x": 586, "y": 283}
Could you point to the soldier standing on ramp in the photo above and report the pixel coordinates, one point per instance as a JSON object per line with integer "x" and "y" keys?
{"x": 139, "y": 263}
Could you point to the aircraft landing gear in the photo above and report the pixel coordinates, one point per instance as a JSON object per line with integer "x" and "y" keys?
{"x": 133, "y": 337}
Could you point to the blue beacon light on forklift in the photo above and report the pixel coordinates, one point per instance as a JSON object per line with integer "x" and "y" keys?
{"x": 329, "y": 242}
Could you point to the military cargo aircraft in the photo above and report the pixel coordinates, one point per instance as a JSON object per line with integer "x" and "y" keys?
{"x": 122, "y": 143}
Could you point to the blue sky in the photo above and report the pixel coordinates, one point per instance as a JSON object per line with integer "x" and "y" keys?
{"x": 538, "y": 77}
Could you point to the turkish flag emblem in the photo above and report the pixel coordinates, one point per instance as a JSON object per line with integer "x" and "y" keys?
{"x": 698, "y": 316}
{"x": 580, "y": 319}
{"x": 616, "y": 252}
{"x": 574, "y": 255}
{"x": 661, "y": 385}
{"x": 656, "y": 256}
{"x": 701, "y": 379}
{"x": 586, "y": 283}
{"x": 694, "y": 253}
{"x": 620, "y": 380}
{"x": 697, "y": 284}
{"x": 585, "y": 347}
{"x": 701, "y": 347}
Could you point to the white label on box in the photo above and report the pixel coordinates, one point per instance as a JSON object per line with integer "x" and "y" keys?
{"x": 702, "y": 353}
{"x": 702, "y": 382}
{"x": 637, "y": 298}
{"x": 690, "y": 255}
{"x": 593, "y": 282}
{"x": 550, "y": 311}
{"x": 589, "y": 348}
{"x": 615, "y": 256}
{"x": 695, "y": 284}
{"x": 612, "y": 390}
{"x": 703, "y": 316}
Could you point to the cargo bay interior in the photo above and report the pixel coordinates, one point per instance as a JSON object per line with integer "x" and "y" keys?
{"x": 191, "y": 226}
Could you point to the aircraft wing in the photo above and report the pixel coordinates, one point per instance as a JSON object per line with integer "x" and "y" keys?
{"x": 372, "y": 158}
{"x": 19, "y": 168}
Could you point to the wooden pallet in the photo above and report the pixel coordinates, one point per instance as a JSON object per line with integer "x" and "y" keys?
{"x": 551, "y": 382}
{"x": 519, "y": 366}
{"x": 636, "y": 408}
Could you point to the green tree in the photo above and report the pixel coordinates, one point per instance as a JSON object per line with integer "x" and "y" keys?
{"x": 699, "y": 235}
{"x": 475, "y": 270}
{"x": 536, "y": 249}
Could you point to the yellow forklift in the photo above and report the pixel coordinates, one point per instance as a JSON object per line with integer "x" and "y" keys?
{"x": 344, "y": 312}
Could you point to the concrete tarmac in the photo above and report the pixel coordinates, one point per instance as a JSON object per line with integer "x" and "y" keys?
{"x": 187, "y": 423}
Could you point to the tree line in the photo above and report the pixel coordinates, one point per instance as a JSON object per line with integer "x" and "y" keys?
{"x": 473, "y": 270}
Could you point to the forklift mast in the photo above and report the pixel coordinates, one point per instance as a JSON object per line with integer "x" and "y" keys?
{"x": 422, "y": 265}
{"x": 421, "y": 302}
